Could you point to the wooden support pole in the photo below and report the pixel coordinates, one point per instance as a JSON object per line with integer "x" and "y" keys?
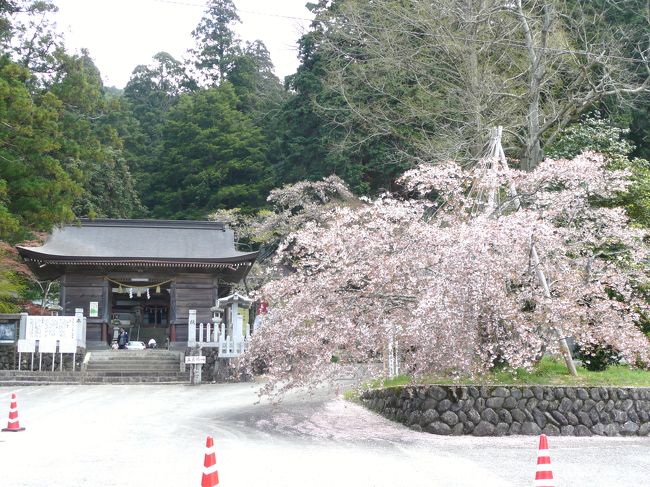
{"x": 564, "y": 346}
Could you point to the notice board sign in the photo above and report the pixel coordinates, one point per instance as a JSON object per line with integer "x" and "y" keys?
{"x": 7, "y": 331}
{"x": 93, "y": 309}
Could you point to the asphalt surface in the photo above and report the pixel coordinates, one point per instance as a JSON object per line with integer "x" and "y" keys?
{"x": 154, "y": 435}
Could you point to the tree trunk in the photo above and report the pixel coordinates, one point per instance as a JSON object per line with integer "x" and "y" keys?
{"x": 533, "y": 153}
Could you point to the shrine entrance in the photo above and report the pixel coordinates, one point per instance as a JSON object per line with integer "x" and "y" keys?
{"x": 141, "y": 308}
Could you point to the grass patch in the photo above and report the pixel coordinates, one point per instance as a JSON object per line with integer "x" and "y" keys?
{"x": 351, "y": 395}
{"x": 554, "y": 372}
{"x": 548, "y": 372}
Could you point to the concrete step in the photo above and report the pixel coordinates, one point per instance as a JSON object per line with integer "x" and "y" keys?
{"x": 41, "y": 376}
{"x": 147, "y": 351}
{"x": 104, "y": 358}
{"x": 26, "y": 378}
{"x": 102, "y": 370}
{"x": 140, "y": 379}
{"x": 8, "y": 383}
{"x": 135, "y": 361}
{"x": 133, "y": 365}
{"x": 133, "y": 356}
{"x": 132, "y": 373}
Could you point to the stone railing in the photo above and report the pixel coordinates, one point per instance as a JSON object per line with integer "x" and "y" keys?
{"x": 515, "y": 410}
{"x": 213, "y": 335}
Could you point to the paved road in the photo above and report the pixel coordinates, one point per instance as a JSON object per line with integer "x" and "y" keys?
{"x": 148, "y": 435}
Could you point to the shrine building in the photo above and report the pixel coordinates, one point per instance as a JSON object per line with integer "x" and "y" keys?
{"x": 142, "y": 275}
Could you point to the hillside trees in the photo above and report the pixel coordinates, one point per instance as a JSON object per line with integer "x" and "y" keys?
{"x": 217, "y": 45}
{"x": 13, "y": 275}
{"x": 213, "y": 157}
{"x": 92, "y": 151}
{"x": 88, "y": 173}
{"x": 436, "y": 75}
{"x": 61, "y": 156}
{"x": 30, "y": 35}
{"x": 310, "y": 146}
{"x": 36, "y": 192}
{"x": 148, "y": 97}
{"x": 228, "y": 92}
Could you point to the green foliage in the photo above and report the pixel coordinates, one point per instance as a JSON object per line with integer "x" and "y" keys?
{"x": 148, "y": 97}
{"x": 7, "y": 8}
{"x": 309, "y": 147}
{"x": 31, "y": 37}
{"x": 12, "y": 282}
{"x": 70, "y": 147}
{"x": 593, "y": 133}
{"x": 61, "y": 154}
{"x": 258, "y": 89}
{"x": 11, "y": 287}
{"x": 92, "y": 149}
{"x": 35, "y": 191}
{"x": 217, "y": 45}
{"x": 597, "y": 358}
{"x": 213, "y": 157}
{"x": 601, "y": 135}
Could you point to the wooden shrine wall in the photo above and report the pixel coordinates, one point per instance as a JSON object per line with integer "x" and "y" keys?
{"x": 193, "y": 291}
{"x": 78, "y": 290}
{"x": 187, "y": 291}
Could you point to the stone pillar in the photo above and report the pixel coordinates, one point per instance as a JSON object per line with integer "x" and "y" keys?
{"x": 191, "y": 329}
{"x": 22, "y": 333}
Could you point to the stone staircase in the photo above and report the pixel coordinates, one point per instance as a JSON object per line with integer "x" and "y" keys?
{"x": 133, "y": 366}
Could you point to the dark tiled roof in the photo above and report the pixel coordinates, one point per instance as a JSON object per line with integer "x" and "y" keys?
{"x": 139, "y": 242}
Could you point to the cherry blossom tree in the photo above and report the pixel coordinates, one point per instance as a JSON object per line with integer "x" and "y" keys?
{"x": 453, "y": 276}
{"x": 292, "y": 207}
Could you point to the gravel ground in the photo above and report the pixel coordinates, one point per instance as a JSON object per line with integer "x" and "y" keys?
{"x": 154, "y": 435}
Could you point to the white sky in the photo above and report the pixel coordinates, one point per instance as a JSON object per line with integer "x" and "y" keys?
{"x": 120, "y": 34}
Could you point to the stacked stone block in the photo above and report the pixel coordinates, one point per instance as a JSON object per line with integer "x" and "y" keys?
{"x": 516, "y": 410}
{"x": 9, "y": 359}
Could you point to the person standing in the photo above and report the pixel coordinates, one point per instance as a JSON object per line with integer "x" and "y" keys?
{"x": 122, "y": 339}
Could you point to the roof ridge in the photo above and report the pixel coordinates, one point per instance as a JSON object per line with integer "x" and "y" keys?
{"x": 180, "y": 224}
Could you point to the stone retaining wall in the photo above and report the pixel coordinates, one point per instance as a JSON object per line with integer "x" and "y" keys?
{"x": 216, "y": 369}
{"x": 9, "y": 359}
{"x": 510, "y": 410}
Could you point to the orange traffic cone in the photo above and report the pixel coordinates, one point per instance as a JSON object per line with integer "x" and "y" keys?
{"x": 210, "y": 474}
{"x": 544, "y": 474}
{"x": 13, "y": 424}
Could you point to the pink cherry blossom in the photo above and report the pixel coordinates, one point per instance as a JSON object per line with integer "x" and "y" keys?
{"x": 452, "y": 279}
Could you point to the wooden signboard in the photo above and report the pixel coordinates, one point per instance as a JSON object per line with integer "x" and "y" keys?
{"x": 194, "y": 359}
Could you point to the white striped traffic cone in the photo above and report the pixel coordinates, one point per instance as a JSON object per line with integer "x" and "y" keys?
{"x": 13, "y": 424}
{"x": 210, "y": 474}
{"x": 544, "y": 474}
